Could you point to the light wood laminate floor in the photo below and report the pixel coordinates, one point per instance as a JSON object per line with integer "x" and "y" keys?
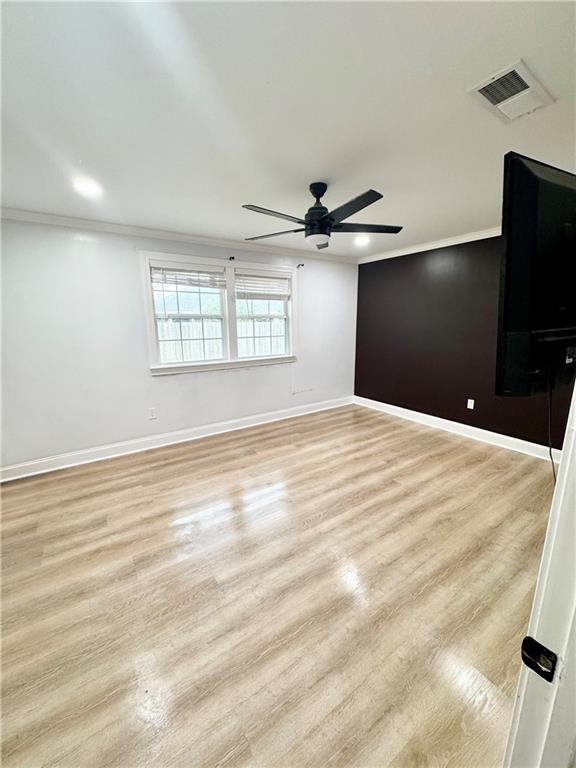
{"x": 340, "y": 589}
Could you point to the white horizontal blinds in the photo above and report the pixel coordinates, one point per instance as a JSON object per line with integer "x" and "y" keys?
{"x": 189, "y": 314}
{"x": 249, "y": 286}
{"x": 262, "y": 314}
{"x": 186, "y": 278}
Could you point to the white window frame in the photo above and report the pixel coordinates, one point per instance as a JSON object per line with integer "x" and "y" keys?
{"x": 184, "y": 261}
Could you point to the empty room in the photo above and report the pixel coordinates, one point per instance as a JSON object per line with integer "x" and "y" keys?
{"x": 288, "y": 359}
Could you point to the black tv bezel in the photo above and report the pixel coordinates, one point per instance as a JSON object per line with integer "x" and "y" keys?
{"x": 517, "y": 340}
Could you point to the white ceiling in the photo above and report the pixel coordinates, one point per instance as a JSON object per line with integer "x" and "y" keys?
{"x": 184, "y": 111}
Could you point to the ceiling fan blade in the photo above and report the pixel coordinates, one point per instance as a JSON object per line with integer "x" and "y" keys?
{"x": 274, "y": 213}
{"x": 383, "y": 228}
{"x": 275, "y": 234}
{"x": 353, "y": 206}
{"x": 322, "y": 245}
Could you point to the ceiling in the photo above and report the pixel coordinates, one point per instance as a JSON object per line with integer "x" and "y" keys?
{"x": 185, "y": 111}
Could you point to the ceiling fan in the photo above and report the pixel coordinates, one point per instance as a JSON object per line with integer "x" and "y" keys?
{"x": 319, "y": 222}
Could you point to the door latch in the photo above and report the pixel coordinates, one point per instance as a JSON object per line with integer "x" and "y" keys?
{"x": 539, "y": 658}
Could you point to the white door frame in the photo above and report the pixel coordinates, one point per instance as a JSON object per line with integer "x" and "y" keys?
{"x": 543, "y": 729}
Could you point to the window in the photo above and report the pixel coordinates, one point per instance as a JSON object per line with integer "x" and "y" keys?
{"x": 189, "y": 315}
{"x": 262, "y": 315}
{"x": 205, "y": 315}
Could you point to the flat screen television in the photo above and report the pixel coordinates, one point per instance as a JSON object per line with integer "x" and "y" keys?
{"x": 537, "y": 317}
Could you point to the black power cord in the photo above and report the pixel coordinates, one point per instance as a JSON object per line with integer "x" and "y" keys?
{"x": 550, "y": 387}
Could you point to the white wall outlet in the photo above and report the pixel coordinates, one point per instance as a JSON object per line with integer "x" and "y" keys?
{"x": 470, "y": 404}
{"x": 152, "y": 414}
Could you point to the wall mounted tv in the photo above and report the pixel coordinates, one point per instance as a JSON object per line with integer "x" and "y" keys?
{"x": 537, "y": 318}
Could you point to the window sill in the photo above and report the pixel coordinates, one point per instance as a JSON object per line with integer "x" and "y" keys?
{"x": 218, "y": 365}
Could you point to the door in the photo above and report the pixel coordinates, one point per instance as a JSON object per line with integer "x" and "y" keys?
{"x": 543, "y": 730}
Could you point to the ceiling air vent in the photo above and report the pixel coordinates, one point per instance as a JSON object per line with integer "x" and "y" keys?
{"x": 512, "y": 92}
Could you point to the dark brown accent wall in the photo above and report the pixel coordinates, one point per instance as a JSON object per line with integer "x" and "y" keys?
{"x": 426, "y": 340}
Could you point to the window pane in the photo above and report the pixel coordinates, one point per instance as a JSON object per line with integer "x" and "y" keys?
{"x": 168, "y": 329}
{"x": 191, "y": 328}
{"x": 189, "y": 303}
{"x": 171, "y": 302}
{"x": 278, "y": 345}
{"x": 210, "y": 303}
{"x": 242, "y": 307}
{"x": 262, "y": 346}
{"x": 277, "y": 307}
{"x": 213, "y": 329}
{"x": 193, "y": 351}
{"x": 259, "y": 307}
{"x": 278, "y": 326}
{"x": 190, "y": 318}
{"x": 245, "y": 347}
{"x": 170, "y": 351}
{"x": 214, "y": 349}
{"x": 245, "y": 328}
{"x": 158, "y": 302}
{"x": 262, "y": 328}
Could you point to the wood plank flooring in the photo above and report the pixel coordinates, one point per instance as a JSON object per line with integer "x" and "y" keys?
{"x": 340, "y": 589}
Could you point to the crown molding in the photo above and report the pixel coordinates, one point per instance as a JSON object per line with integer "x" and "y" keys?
{"x": 95, "y": 225}
{"x": 469, "y": 237}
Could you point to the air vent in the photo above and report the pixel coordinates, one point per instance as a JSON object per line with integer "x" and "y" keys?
{"x": 510, "y": 84}
{"x": 512, "y": 92}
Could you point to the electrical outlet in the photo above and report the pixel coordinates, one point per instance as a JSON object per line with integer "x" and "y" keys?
{"x": 152, "y": 414}
{"x": 470, "y": 404}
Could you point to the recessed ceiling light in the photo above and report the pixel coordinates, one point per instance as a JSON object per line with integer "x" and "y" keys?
{"x": 361, "y": 241}
{"x": 87, "y": 187}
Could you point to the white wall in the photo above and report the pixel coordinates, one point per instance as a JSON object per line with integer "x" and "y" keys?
{"x": 75, "y": 357}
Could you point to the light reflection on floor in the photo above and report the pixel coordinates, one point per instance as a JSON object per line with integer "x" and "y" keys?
{"x": 477, "y": 692}
{"x": 240, "y": 511}
{"x": 153, "y": 695}
{"x": 352, "y": 582}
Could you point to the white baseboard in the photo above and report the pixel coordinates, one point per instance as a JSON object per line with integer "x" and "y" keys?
{"x": 101, "y": 452}
{"x": 465, "y": 430}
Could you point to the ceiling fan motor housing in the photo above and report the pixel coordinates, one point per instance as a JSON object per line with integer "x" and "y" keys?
{"x": 315, "y": 223}
{"x": 317, "y": 212}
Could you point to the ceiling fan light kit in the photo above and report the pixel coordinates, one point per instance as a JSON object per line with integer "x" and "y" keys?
{"x": 319, "y": 240}
{"x": 319, "y": 223}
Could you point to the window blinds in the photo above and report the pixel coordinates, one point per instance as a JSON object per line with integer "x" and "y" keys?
{"x": 170, "y": 279}
{"x": 259, "y": 287}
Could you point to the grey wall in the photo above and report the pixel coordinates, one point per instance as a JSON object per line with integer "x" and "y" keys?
{"x": 75, "y": 358}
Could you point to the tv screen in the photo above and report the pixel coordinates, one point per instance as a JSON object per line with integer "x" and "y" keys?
{"x": 537, "y": 318}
